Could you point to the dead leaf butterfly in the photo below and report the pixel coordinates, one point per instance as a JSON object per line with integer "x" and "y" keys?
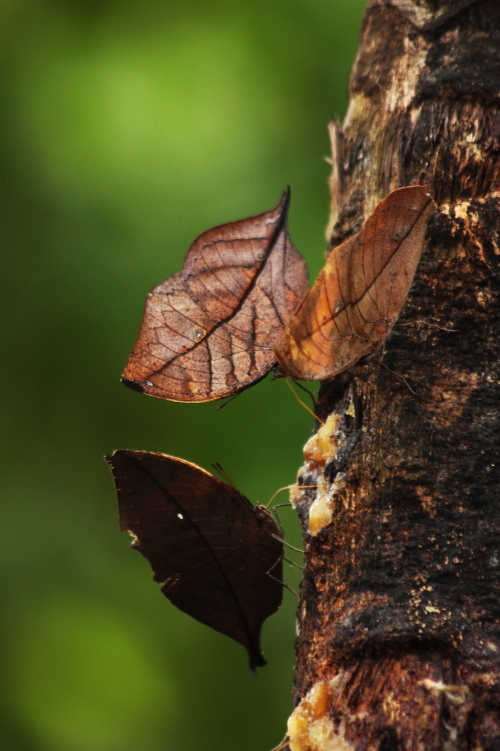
{"x": 217, "y": 557}
{"x": 209, "y": 331}
{"x": 360, "y": 292}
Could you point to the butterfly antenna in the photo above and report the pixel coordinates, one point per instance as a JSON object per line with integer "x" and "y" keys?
{"x": 224, "y": 404}
{"x": 224, "y": 475}
{"x": 308, "y": 409}
{"x": 285, "y": 487}
{"x": 282, "y": 505}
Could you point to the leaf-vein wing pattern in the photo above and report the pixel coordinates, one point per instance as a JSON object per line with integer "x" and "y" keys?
{"x": 360, "y": 291}
{"x": 210, "y": 330}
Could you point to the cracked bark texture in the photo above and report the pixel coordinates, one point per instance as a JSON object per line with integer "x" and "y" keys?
{"x": 399, "y": 613}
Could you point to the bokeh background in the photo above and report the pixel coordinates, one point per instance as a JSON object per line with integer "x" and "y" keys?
{"x": 127, "y": 129}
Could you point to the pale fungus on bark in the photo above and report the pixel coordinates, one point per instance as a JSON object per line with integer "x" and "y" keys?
{"x": 310, "y": 727}
{"x": 319, "y": 449}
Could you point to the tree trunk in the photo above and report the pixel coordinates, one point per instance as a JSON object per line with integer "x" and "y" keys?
{"x": 399, "y": 614}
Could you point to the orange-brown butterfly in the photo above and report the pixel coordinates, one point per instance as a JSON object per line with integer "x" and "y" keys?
{"x": 217, "y": 557}
{"x": 209, "y": 331}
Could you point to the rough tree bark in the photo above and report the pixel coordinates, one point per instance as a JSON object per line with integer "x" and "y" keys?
{"x": 399, "y": 614}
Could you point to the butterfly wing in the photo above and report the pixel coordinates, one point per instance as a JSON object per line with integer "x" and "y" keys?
{"x": 210, "y": 330}
{"x": 206, "y": 544}
{"x": 360, "y": 292}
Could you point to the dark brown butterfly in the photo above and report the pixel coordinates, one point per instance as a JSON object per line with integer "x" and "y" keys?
{"x": 210, "y": 330}
{"x": 217, "y": 557}
{"x": 360, "y": 292}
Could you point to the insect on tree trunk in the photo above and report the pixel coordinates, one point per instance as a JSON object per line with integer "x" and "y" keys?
{"x": 399, "y": 613}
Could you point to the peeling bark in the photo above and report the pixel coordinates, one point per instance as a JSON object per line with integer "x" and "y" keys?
{"x": 399, "y": 616}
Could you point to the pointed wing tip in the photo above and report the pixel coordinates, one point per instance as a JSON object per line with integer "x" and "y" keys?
{"x": 119, "y": 457}
{"x": 132, "y": 385}
{"x": 425, "y": 190}
{"x": 110, "y": 459}
{"x": 116, "y": 453}
{"x": 425, "y": 196}
{"x": 429, "y": 196}
{"x": 284, "y": 201}
{"x": 419, "y": 196}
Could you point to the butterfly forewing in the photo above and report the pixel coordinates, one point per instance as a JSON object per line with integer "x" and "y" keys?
{"x": 210, "y": 330}
{"x": 360, "y": 291}
{"x": 208, "y": 547}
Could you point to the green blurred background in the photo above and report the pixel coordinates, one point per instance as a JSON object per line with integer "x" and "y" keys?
{"x": 126, "y": 130}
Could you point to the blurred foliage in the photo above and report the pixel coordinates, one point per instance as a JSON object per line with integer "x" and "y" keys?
{"x": 127, "y": 129}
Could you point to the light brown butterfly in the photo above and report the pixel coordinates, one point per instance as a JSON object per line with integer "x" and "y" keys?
{"x": 360, "y": 292}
